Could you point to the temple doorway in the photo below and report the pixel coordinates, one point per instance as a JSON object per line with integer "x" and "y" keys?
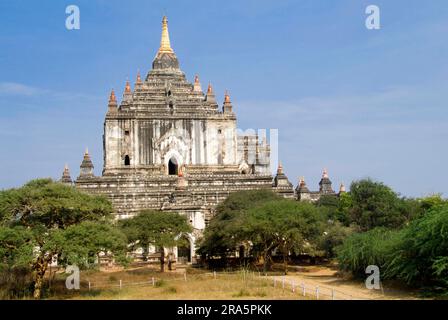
{"x": 173, "y": 167}
{"x": 184, "y": 251}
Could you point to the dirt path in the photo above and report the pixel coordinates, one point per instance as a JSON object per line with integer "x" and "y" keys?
{"x": 326, "y": 279}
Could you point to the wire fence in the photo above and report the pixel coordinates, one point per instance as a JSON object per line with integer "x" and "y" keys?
{"x": 296, "y": 287}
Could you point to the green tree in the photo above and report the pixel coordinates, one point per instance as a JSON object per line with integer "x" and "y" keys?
{"x": 373, "y": 247}
{"x": 286, "y": 225}
{"x": 221, "y": 237}
{"x": 375, "y": 205}
{"x": 421, "y": 256}
{"x": 43, "y": 216}
{"x": 334, "y": 235}
{"x": 157, "y": 228}
{"x": 336, "y": 208}
{"x": 432, "y": 201}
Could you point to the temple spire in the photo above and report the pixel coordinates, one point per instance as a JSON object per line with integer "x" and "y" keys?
{"x": 280, "y": 168}
{"x": 86, "y": 166}
{"x": 66, "y": 179}
{"x": 197, "y": 85}
{"x": 139, "y": 78}
{"x": 127, "y": 95}
{"x": 112, "y": 105}
{"x": 210, "y": 95}
{"x": 325, "y": 184}
{"x": 165, "y": 45}
{"x": 127, "y": 88}
{"x": 227, "y": 108}
{"x": 112, "y": 97}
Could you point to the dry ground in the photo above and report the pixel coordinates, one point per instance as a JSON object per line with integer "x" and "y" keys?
{"x": 136, "y": 283}
{"x": 327, "y": 278}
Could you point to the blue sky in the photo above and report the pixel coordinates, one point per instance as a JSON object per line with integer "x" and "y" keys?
{"x": 358, "y": 102}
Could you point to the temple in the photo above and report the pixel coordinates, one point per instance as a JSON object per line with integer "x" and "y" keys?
{"x": 169, "y": 146}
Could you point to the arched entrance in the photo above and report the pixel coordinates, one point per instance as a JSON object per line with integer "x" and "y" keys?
{"x": 184, "y": 250}
{"x": 127, "y": 161}
{"x": 173, "y": 166}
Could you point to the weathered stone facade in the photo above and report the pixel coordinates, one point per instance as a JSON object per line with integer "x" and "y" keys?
{"x": 168, "y": 146}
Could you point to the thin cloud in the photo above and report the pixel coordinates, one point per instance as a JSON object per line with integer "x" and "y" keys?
{"x": 17, "y": 89}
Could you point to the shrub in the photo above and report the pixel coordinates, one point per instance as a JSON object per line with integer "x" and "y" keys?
{"x": 373, "y": 247}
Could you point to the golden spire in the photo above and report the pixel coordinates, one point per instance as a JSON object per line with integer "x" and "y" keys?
{"x": 227, "y": 97}
{"x": 139, "y": 78}
{"x": 325, "y": 174}
{"x": 127, "y": 88}
{"x": 112, "y": 98}
{"x": 210, "y": 88}
{"x": 87, "y": 152}
{"x": 165, "y": 45}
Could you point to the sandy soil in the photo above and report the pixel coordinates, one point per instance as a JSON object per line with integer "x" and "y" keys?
{"x": 327, "y": 279}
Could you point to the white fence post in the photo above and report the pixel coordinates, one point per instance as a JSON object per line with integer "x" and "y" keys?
{"x": 89, "y": 285}
{"x": 185, "y": 276}
{"x": 214, "y": 274}
{"x": 317, "y": 293}
{"x": 153, "y": 282}
{"x": 303, "y": 289}
{"x": 293, "y": 284}
{"x": 283, "y": 282}
{"x": 121, "y": 284}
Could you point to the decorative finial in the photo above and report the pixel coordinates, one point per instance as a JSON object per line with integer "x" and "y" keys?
{"x": 342, "y": 188}
{"x": 210, "y": 88}
{"x": 325, "y": 174}
{"x": 86, "y": 153}
{"x": 280, "y": 168}
{"x": 112, "y": 98}
{"x": 227, "y": 97}
{"x": 139, "y": 79}
{"x": 302, "y": 181}
{"x": 127, "y": 89}
{"x": 197, "y": 84}
{"x": 165, "y": 45}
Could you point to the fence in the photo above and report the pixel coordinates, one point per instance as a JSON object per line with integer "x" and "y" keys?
{"x": 300, "y": 288}
{"x": 316, "y": 292}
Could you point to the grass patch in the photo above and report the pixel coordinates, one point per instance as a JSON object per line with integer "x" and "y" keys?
{"x": 242, "y": 293}
{"x": 171, "y": 290}
{"x": 160, "y": 283}
{"x": 261, "y": 294}
{"x": 113, "y": 278}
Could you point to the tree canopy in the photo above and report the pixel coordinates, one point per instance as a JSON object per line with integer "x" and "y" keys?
{"x": 157, "y": 228}
{"x": 44, "y": 220}
{"x": 375, "y": 205}
{"x": 265, "y": 221}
